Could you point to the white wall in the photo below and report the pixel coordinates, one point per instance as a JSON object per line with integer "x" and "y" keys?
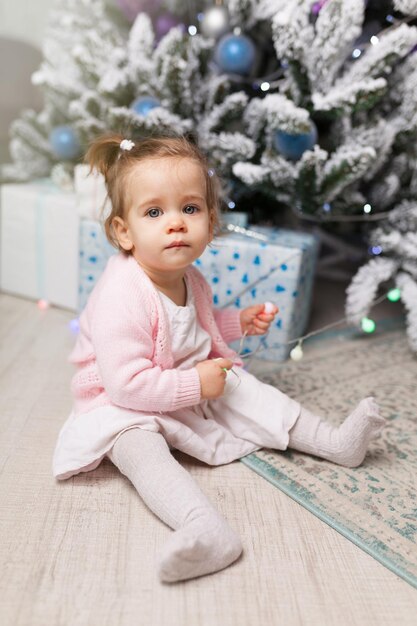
{"x": 22, "y": 27}
{"x": 24, "y": 20}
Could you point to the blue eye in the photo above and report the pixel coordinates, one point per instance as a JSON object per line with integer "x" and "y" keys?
{"x": 154, "y": 212}
{"x": 190, "y": 209}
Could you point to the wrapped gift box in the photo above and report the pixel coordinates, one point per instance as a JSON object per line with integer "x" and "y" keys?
{"x": 39, "y": 243}
{"x": 95, "y": 251}
{"x": 92, "y": 205}
{"x": 265, "y": 264}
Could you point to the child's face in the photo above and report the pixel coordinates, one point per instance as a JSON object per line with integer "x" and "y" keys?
{"x": 167, "y": 225}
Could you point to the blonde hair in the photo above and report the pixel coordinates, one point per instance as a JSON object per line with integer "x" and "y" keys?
{"x": 105, "y": 155}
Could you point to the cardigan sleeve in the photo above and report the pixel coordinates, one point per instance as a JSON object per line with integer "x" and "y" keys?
{"x": 122, "y": 337}
{"x": 228, "y": 322}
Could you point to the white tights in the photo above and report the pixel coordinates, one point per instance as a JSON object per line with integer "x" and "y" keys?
{"x": 203, "y": 542}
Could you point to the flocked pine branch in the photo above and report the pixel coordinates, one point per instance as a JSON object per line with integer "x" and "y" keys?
{"x": 338, "y": 25}
{"x": 345, "y": 98}
{"x": 397, "y": 263}
{"x": 251, "y": 174}
{"x": 222, "y": 114}
{"x": 140, "y": 46}
{"x": 310, "y": 175}
{"x": 243, "y": 12}
{"x": 408, "y": 7}
{"x": 408, "y": 288}
{"x": 379, "y": 60}
{"x": 362, "y": 290}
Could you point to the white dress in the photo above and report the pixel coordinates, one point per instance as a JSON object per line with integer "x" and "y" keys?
{"x": 249, "y": 415}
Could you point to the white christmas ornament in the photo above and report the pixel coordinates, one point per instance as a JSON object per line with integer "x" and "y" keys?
{"x": 215, "y": 22}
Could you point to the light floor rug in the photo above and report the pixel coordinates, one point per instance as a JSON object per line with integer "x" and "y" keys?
{"x": 375, "y": 505}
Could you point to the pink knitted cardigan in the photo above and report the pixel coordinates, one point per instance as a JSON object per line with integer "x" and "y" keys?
{"x": 123, "y": 354}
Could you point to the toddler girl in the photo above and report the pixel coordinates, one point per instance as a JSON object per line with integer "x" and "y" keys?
{"x": 153, "y": 362}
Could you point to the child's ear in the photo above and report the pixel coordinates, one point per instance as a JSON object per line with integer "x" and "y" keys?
{"x": 121, "y": 230}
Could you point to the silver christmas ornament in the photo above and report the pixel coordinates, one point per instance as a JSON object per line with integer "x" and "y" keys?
{"x": 215, "y": 22}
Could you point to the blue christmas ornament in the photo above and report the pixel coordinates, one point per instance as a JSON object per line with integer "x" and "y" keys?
{"x": 144, "y": 104}
{"x": 235, "y": 54}
{"x": 65, "y": 143}
{"x": 293, "y": 146}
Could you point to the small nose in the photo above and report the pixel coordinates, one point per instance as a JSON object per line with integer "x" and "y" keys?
{"x": 177, "y": 224}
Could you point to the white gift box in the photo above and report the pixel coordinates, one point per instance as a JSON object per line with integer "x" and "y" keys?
{"x": 39, "y": 243}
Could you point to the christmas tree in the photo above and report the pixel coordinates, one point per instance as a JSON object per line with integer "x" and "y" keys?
{"x": 303, "y": 106}
{"x": 293, "y": 101}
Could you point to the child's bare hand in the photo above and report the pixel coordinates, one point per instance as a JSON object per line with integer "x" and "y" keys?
{"x": 255, "y": 321}
{"x": 213, "y": 377}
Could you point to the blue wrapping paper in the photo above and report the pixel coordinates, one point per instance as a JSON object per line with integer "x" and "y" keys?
{"x": 279, "y": 267}
{"x": 95, "y": 251}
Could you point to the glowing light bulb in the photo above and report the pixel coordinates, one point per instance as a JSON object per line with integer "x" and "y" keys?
{"x": 368, "y": 325}
{"x": 192, "y": 30}
{"x": 297, "y": 353}
{"x": 265, "y": 86}
{"x": 43, "y": 305}
{"x": 394, "y": 295}
{"x": 367, "y": 208}
{"x": 356, "y": 53}
{"x": 74, "y": 325}
{"x": 376, "y": 250}
{"x": 374, "y": 40}
{"x": 231, "y": 204}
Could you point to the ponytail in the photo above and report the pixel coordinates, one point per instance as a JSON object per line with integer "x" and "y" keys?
{"x": 103, "y": 153}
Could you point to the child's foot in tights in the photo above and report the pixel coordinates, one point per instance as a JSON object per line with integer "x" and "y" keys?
{"x": 206, "y": 544}
{"x": 203, "y": 542}
{"x": 345, "y": 445}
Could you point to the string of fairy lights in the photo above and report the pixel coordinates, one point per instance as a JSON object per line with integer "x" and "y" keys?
{"x": 368, "y": 325}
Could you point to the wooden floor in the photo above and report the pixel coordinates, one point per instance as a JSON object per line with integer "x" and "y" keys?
{"x": 83, "y": 552}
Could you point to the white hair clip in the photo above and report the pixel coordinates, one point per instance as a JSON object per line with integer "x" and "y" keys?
{"x": 126, "y": 144}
